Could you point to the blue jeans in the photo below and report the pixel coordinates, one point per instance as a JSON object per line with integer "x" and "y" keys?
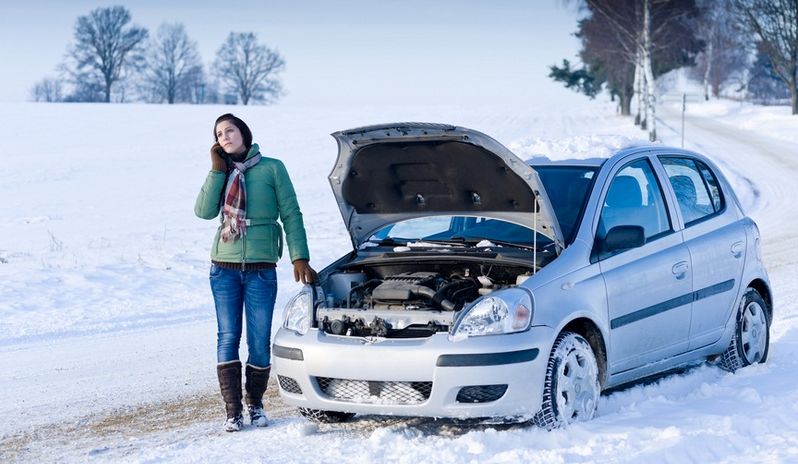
{"x": 235, "y": 293}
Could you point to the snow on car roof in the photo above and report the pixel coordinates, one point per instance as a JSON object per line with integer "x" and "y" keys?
{"x": 545, "y": 161}
{"x": 589, "y": 150}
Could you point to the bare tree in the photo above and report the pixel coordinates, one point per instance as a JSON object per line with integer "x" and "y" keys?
{"x": 249, "y": 69}
{"x": 653, "y": 36}
{"x": 775, "y": 22}
{"x": 172, "y": 64}
{"x": 105, "y": 46}
{"x": 727, "y": 46}
{"x": 47, "y": 90}
{"x": 645, "y": 46}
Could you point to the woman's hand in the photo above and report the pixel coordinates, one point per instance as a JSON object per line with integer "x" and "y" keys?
{"x": 303, "y": 272}
{"x": 217, "y": 161}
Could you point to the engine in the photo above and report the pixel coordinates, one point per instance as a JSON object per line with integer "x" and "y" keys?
{"x": 412, "y": 303}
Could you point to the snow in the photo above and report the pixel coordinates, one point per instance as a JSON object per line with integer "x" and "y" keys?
{"x": 107, "y": 331}
{"x": 581, "y": 147}
{"x": 775, "y": 121}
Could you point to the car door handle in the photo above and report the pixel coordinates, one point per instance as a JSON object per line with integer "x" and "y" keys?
{"x": 680, "y": 269}
{"x": 737, "y": 249}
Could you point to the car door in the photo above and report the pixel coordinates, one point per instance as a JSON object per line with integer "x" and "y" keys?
{"x": 649, "y": 288}
{"x": 716, "y": 241}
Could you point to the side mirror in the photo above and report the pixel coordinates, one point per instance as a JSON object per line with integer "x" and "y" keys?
{"x": 624, "y": 237}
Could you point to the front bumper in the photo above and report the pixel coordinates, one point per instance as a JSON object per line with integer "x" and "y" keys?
{"x": 517, "y": 360}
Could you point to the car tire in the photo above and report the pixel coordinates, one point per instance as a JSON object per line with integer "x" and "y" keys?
{"x": 325, "y": 417}
{"x": 750, "y": 342}
{"x": 571, "y": 389}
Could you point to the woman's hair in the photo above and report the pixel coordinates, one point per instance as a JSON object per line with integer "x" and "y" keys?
{"x": 246, "y": 134}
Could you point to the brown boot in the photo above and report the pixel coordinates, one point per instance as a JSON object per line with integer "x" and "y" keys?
{"x": 257, "y": 377}
{"x": 229, "y": 374}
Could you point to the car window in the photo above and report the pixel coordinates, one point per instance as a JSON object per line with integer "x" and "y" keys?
{"x": 416, "y": 228}
{"x": 635, "y": 198}
{"x": 711, "y": 181}
{"x": 695, "y": 186}
{"x": 568, "y": 188}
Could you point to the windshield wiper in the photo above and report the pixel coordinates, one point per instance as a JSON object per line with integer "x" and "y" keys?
{"x": 473, "y": 241}
{"x": 455, "y": 241}
{"x": 389, "y": 241}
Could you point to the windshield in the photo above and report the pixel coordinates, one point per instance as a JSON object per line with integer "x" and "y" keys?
{"x": 458, "y": 229}
{"x": 568, "y": 188}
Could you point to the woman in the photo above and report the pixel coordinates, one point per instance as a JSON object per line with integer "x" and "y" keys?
{"x": 248, "y": 192}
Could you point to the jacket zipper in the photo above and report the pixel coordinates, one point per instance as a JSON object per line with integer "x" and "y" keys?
{"x": 244, "y": 245}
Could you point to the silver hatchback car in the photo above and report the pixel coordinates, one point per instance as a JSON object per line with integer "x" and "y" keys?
{"x": 483, "y": 286}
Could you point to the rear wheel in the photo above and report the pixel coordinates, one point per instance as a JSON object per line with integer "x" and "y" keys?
{"x": 751, "y": 340}
{"x": 571, "y": 389}
{"x": 325, "y": 417}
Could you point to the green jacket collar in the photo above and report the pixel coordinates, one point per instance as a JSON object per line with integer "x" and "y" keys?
{"x": 253, "y": 150}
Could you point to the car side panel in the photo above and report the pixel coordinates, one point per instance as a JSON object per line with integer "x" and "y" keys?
{"x": 648, "y": 305}
{"x": 718, "y": 256}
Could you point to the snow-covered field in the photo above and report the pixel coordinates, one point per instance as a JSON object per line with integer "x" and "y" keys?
{"x": 107, "y": 332}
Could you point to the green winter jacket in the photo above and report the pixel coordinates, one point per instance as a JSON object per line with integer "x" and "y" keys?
{"x": 270, "y": 196}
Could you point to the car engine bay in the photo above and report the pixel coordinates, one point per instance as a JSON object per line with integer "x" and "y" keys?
{"x": 407, "y": 301}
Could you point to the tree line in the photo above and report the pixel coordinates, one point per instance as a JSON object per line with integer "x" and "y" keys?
{"x": 749, "y": 47}
{"x": 112, "y": 59}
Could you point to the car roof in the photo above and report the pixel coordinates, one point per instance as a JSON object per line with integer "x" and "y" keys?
{"x": 580, "y": 160}
{"x": 542, "y": 161}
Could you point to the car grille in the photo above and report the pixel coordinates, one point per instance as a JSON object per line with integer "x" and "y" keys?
{"x": 289, "y": 385}
{"x": 375, "y": 392}
{"x": 481, "y": 393}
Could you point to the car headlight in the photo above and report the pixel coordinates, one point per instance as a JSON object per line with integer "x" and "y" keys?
{"x": 298, "y": 311}
{"x": 501, "y": 312}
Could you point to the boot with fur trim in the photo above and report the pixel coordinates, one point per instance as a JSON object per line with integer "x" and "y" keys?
{"x": 255, "y": 385}
{"x": 229, "y": 374}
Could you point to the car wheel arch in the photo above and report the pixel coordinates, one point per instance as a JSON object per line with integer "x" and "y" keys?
{"x": 750, "y": 339}
{"x": 764, "y": 291}
{"x": 590, "y": 331}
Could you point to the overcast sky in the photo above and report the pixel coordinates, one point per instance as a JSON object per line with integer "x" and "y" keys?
{"x": 337, "y": 51}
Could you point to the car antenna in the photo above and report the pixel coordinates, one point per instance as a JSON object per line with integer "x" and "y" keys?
{"x": 535, "y": 236}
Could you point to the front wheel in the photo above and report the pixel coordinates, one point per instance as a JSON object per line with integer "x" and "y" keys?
{"x": 571, "y": 389}
{"x": 751, "y": 340}
{"x": 325, "y": 417}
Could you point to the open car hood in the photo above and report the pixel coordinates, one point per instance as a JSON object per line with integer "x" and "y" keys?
{"x": 391, "y": 172}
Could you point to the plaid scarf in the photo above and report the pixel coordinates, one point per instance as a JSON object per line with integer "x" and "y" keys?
{"x": 234, "y": 211}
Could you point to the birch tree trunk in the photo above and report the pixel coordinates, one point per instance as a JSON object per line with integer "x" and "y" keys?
{"x": 643, "y": 93}
{"x": 651, "y": 109}
{"x": 638, "y": 85}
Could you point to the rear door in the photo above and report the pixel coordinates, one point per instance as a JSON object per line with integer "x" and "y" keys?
{"x": 649, "y": 288}
{"x": 717, "y": 244}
